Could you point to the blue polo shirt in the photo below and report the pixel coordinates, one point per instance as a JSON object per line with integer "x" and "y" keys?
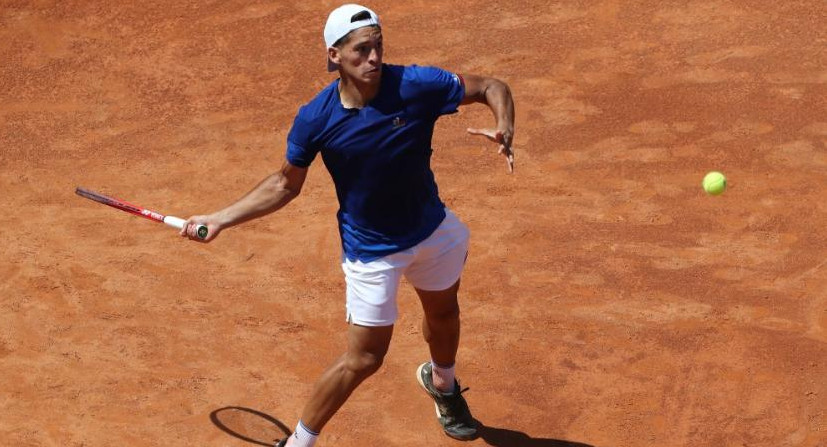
{"x": 380, "y": 157}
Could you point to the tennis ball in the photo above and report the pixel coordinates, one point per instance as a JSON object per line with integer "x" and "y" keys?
{"x": 714, "y": 183}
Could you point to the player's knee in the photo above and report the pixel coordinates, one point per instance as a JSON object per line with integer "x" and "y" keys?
{"x": 364, "y": 364}
{"x": 446, "y": 312}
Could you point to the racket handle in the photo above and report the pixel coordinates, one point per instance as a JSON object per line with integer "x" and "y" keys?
{"x": 177, "y": 222}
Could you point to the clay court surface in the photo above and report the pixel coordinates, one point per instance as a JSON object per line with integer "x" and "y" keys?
{"x": 607, "y": 301}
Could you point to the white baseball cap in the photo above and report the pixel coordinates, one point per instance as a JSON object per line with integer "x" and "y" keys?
{"x": 343, "y": 20}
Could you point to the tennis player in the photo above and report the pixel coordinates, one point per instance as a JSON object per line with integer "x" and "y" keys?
{"x": 373, "y": 127}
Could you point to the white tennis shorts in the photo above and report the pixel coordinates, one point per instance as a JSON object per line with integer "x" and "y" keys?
{"x": 434, "y": 264}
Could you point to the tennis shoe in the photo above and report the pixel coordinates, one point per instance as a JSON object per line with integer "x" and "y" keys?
{"x": 451, "y": 409}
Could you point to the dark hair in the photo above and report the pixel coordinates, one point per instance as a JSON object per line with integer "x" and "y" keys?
{"x": 361, "y": 15}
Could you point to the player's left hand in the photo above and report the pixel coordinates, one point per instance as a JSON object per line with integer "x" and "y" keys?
{"x": 504, "y": 138}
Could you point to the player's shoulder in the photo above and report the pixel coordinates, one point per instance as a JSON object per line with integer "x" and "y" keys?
{"x": 320, "y": 106}
{"x": 425, "y": 78}
{"x": 420, "y": 73}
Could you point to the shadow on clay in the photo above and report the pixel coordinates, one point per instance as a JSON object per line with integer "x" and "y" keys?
{"x": 503, "y": 437}
{"x": 260, "y": 428}
{"x": 249, "y": 425}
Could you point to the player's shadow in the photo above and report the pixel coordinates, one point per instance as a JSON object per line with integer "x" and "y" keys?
{"x": 260, "y": 428}
{"x": 249, "y": 425}
{"x": 503, "y": 437}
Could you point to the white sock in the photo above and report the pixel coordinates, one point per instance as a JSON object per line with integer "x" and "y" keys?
{"x": 443, "y": 377}
{"x": 302, "y": 437}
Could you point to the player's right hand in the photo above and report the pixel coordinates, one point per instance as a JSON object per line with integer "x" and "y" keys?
{"x": 190, "y": 229}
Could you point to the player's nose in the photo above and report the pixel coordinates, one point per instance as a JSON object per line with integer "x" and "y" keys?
{"x": 374, "y": 56}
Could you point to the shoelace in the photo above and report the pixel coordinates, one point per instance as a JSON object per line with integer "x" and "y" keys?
{"x": 453, "y": 407}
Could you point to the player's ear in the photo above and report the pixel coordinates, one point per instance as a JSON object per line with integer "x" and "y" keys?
{"x": 334, "y": 54}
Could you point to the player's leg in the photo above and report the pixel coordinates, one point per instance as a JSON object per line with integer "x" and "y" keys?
{"x": 435, "y": 274}
{"x": 441, "y": 327}
{"x": 371, "y": 311}
{"x": 366, "y": 350}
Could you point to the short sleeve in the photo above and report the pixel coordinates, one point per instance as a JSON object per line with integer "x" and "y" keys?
{"x": 443, "y": 89}
{"x": 300, "y": 148}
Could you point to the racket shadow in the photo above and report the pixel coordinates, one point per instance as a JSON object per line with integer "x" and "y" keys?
{"x": 502, "y": 437}
{"x": 249, "y": 425}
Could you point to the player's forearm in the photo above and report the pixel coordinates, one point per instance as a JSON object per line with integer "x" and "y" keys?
{"x": 267, "y": 197}
{"x": 498, "y": 97}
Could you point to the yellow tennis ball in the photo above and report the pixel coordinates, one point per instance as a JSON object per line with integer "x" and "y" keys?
{"x": 714, "y": 183}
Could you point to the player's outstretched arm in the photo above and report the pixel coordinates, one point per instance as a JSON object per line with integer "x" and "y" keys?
{"x": 271, "y": 194}
{"x": 497, "y": 96}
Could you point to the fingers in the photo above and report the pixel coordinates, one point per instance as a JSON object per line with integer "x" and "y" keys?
{"x": 192, "y": 225}
{"x": 509, "y": 157}
{"x": 491, "y": 134}
{"x": 498, "y": 136}
{"x": 191, "y": 228}
{"x": 185, "y": 228}
{"x": 472, "y": 131}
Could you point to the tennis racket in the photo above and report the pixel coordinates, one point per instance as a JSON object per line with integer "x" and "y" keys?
{"x": 172, "y": 221}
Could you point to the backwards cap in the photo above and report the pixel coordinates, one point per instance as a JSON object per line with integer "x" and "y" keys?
{"x": 343, "y": 20}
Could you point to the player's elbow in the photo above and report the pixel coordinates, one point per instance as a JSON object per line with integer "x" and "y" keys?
{"x": 277, "y": 186}
{"x": 485, "y": 90}
{"x": 497, "y": 88}
{"x": 294, "y": 192}
{"x": 283, "y": 185}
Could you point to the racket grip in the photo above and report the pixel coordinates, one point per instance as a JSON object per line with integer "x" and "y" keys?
{"x": 177, "y": 222}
